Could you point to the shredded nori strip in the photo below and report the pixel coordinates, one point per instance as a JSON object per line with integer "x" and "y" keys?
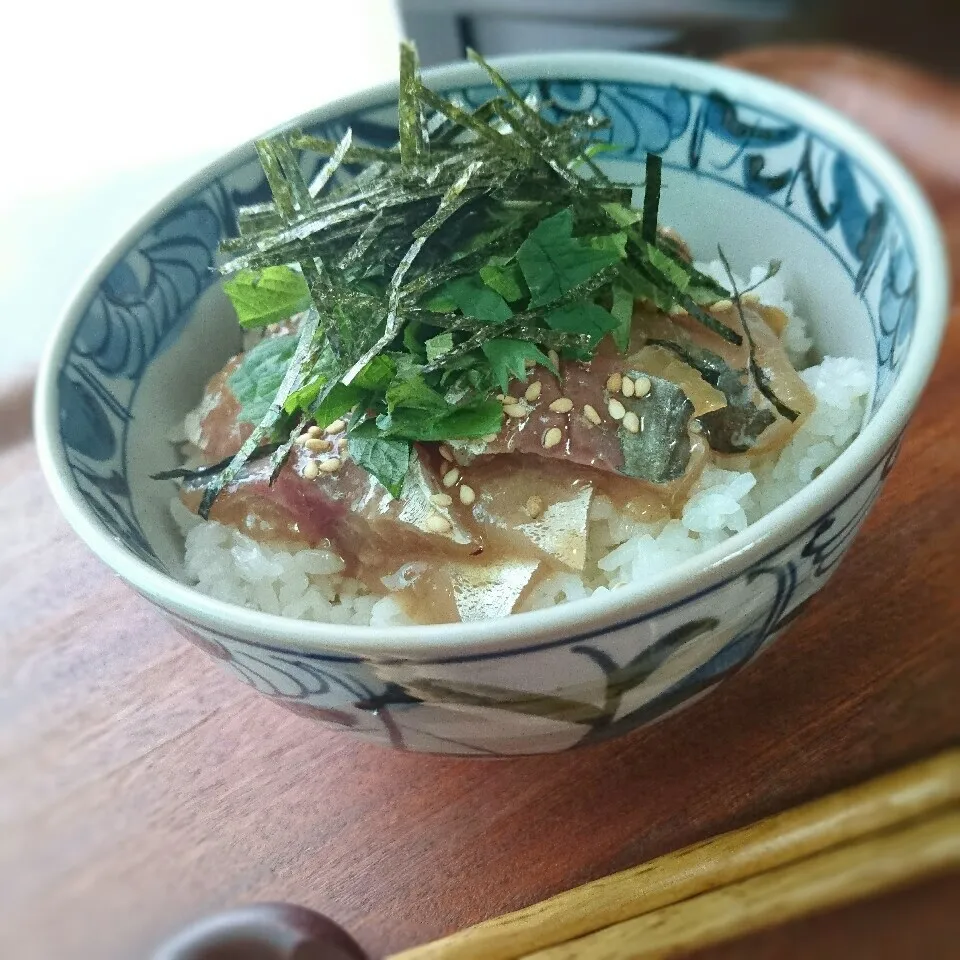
{"x": 759, "y": 374}
{"x": 291, "y": 380}
{"x": 379, "y": 233}
{"x": 211, "y": 469}
{"x": 651, "y": 197}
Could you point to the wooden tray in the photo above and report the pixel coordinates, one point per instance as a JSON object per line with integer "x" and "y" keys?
{"x": 142, "y": 787}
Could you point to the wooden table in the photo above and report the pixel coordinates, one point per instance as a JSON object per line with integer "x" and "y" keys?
{"x": 141, "y": 787}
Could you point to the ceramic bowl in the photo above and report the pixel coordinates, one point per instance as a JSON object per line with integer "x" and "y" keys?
{"x": 767, "y": 171}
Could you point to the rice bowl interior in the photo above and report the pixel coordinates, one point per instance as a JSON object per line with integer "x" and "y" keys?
{"x": 714, "y": 439}
{"x": 309, "y": 583}
{"x": 170, "y": 347}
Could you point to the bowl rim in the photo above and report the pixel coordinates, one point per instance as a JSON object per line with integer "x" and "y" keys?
{"x": 628, "y": 604}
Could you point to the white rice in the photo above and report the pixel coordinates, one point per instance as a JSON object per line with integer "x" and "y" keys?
{"x": 309, "y": 584}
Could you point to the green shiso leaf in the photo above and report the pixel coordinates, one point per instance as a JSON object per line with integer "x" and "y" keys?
{"x": 622, "y": 215}
{"x": 614, "y": 243}
{"x": 582, "y": 317}
{"x": 262, "y": 297}
{"x": 508, "y": 358}
{"x": 292, "y": 378}
{"x": 432, "y": 272}
{"x": 386, "y": 458}
{"x": 340, "y": 400}
{"x": 470, "y": 421}
{"x": 439, "y": 345}
{"x": 553, "y": 261}
{"x": 505, "y": 279}
{"x": 414, "y": 393}
{"x": 474, "y": 298}
{"x": 377, "y": 374}
{"x": 257, "y": 379}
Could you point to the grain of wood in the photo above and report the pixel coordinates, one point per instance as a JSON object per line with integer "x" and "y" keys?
{"x": 142, "y": 786}
{"x": 897, "y": 924}
{"x": 866, "y": 868}
{"x": 785, "y": 838}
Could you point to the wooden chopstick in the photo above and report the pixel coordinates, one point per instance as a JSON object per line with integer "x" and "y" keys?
{"x": 841, "y": 818}
{"x": 860, "y": 869}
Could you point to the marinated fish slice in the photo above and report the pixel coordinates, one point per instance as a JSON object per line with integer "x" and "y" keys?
{"x": 347, "y": 507}
{"x": 489, "y": 591}
{"x": 292, "y": 510}
{"x": 533, "y": 510}
{"x": 561, "y": 530}
{"x": 555, "y": 412}
{"x": 750, "y": 423}
{"x": 214, "y": 426}
{"x": 659, "y": 362}
{"x": 462, "y": 591}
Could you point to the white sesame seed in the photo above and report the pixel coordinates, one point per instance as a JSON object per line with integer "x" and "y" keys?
{"x": 591, "y": 414}
{"x": 534, "y": 507}
{"x": 437, "y": 524}
{"x": 517, "y": 410}
{"x": 506, "y": 399}
{"x": 641, "y": 387}
{"x": 532, "y": 393}
{"x": 722, "y": 305}
{"x": 317, "y": 445}
{"x": 447, "y": 454}
{"x": 631, "y": 422}
{"x": 441, "y": 499}
{"x": 562, "y": 405}
{"x": 335, "y": 427}
{"x": 330, "y": 466}
{"x": 502, "y": 397}
{"x": 614, "y": 382}
{"x": 301, "y": 441}
{"x": 554, "y": 358}
{"x": 627, "y": 387}
{"x": 750, "y": 297}
{"x": 552, "y": 437}
{"x": 616, "y": 409}
{"x": 342, "y": 444}
{"x": 451, "y": 477}
{"x": 489, "y": 438}
{"x": 314, "y": 431}
{"x": 467, "y": 495}
{"x": 311, "y": 471}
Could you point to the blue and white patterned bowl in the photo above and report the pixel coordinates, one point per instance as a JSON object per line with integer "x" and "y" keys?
{"x": 764, "y": 170}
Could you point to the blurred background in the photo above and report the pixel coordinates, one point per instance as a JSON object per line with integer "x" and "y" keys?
{"x": 107, "y": 105}
{"x": 702, "y": 28}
